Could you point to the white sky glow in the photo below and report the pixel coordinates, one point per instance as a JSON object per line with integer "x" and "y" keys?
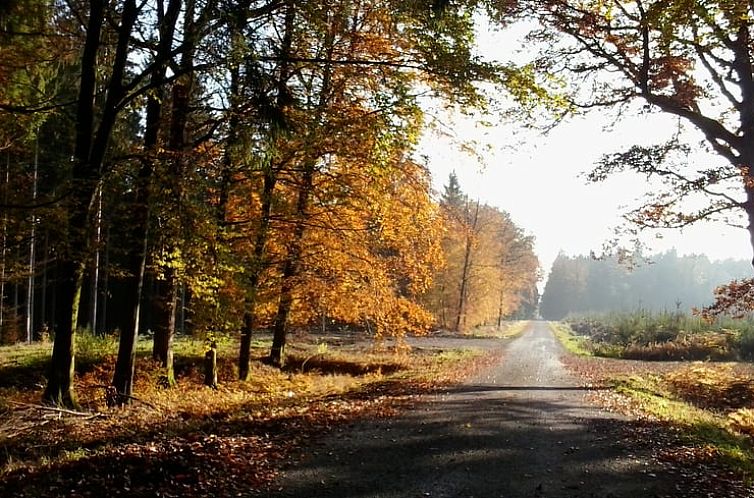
{"x": 539, "y": 180}
{"x": 540, "y": 183}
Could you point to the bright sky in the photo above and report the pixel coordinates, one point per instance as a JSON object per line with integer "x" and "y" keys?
{"x": 537, "y": 180}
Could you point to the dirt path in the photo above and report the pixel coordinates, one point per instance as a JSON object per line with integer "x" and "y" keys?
{"x": 522, "y": 429}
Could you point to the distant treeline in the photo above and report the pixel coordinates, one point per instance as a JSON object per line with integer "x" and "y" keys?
{"x": 582, "y": 284}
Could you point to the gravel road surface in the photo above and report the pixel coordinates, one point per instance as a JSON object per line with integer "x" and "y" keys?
{"x": 520, "y": 429}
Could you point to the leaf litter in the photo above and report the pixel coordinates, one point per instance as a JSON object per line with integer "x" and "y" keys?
{"x": 705, "y": 468}
{"x": 193, "y": 441}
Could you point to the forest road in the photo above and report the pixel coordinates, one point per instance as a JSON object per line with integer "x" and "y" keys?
{"x": 522, "y": 428}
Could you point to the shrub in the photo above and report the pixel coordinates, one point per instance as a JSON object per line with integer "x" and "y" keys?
{"x": 690, "y": 347}
{"x": 665, "y": 336}
{"x": 745, "y": 345}
{"x": 717, "y": 387}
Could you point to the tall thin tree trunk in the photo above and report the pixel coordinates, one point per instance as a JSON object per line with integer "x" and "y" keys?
{"x": 16, "y": 293}
{"x": 32, "y": 248}
{"x": 59, "y": 388}
{"x": 182, "y": 310}
{"x": 249, "y": 317}
{"x": 500, "y": 308}
{"x": 94, "y": 294}
{"x": 89, "y": 157}
{"x": 162, "y": 348}
{"x": 104, "y": 286}
{"x": 443, "y": 306}
{"x": 45, "y": 282}
{"x": 54, "y": 297}
{"x": 305, "y": 190}
{"x": 125, "y": 364}
{"x": 291, "y": 267}
{"x": 3, "y": 263}
{"x": 181, "y": 107}
{"x": 268, "y": 188}
{"x": 462, "y": 301}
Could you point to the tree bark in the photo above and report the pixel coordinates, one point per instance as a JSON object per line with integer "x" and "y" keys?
{"x": 3, "y": 260}
{"x": 32, "y": 248}
{"x": 59, "y": 389}
{"x": 290, "y": 267}
{"x": 258, "y": 265}
{"x": 465, "y": 272}
{"x": 268, "y": 189}
{"x": 210, "y": 366}
{"x": 177, "y": 143}
{"x": 90, "y": 154}
{"x": 125, "y": 363}
{"x": 96, "y": 267}
{"x": 163, "y": 338}
{"x": 124, "y": 366}
{"x": 306, "y": 188}
{"x": 747, "y": 160}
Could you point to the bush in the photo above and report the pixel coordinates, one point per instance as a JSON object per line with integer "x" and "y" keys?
{"x": 665, "y": 336}
{"x": 693, "y": 347}
{"x": 716, "y": 387}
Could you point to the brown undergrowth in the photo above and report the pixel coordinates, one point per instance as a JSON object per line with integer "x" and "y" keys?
{"x": 191, "y": 440}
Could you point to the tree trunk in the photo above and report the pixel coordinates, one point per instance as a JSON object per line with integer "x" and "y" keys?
{"x": 210, "y": 366}
{"x": 749, "y": 204}
{"x": 290, "y": 268}
{"x": 244, "y": 355}
{"x": 744, "y": 71}
{"x": 268, "y": 189}
{"x": 32, "y": 248}
{"x": 181, "y": 107}
{"x": 3, "y": 261}
{"x": 292, "y": 261}
{"x": 465, "y": 272}
{"x": 244, "y": 349}
{"x": 95, "y": 274}
{"x": 125, "y": 363}
{"x": 124, "y": 367}
{"x": 162, "y": 349}
{"x": 500, "y": 309}
{"x": 59, "y": 389}
{"x": 104, "y": 286}
{"x": 99, "y": 143}
{"x": 89, "y": 156}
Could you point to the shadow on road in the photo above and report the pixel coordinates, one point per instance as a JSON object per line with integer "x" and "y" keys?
{"x": 482, "y": 388}
{"x": 503, "y": 447}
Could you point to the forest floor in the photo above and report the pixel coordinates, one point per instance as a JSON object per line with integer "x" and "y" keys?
{"x": 498, "y": 413}
{"x": 194, "y": 441}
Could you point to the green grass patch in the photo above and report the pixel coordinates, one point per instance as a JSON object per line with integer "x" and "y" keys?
{"x": 456, "y": 355}
{"x": 574, "y": 344}
{"x": 507, "y": 330}
{"x": 702, "y": 427}
{"x": 24, "y": 354}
